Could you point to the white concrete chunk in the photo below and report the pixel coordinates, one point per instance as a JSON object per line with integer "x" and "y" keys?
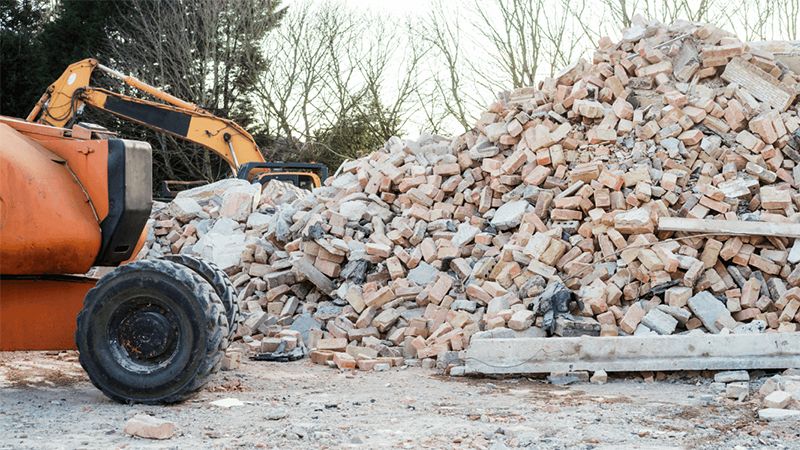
{"x": 149, "y": 427}
{"x": 509, "y": 215}
{"x": 773, "y": 414}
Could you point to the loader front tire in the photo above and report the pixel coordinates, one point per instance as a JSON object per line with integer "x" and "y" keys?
{"x": 152, "y": 332}
{"x": 219, "y": 281}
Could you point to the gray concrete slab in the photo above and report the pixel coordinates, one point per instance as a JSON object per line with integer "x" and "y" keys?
{"x": 632, "y": 353}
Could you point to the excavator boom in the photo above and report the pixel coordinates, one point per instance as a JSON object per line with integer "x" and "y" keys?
{"x": 67, "y": 96}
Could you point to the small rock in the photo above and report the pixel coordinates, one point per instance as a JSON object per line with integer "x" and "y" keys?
{"x": 353, "y": 210}
{"x": 231, "y": 360}
{"x": 730, "y": 376}
{"x": 711, "y": 311}
{"x": 680, "y": 314}
{"x": 276, "y": 414}
{"x": 634, "y": 33}
{"x": 738, "y": 390}
{"x": 530, "y": 333}
{"x": 258, "y": 220}
{"x": 564, "y": 378}
{"x": 660, "y": 322}
{"x": 719, "y": 388}
{"x": 423, "y": 274}
{"x": 706, "y": 399}
{"x": 521, "y": 320}
{"x": 464, "y": 305}
{"x": 794, "y": 253}
{"x": 777, "y": 400}
{"x": 599, "y": 377}
{"x": 771, "y": 385}
{"x": 465, "y": 234}
{"x": 381, "y": 367}
{"x": 634, "y": 221}
{"x": 149, "y": 427}
{"x": 643, "y": 330}
{"x": 509, "y": 215}
{"x": 227, "y": 402}
{"x": 496, "y": 305}
{"x": 778, "y": 414}
{"x": 458, "y": 371}
{"x": 185, "y": 209}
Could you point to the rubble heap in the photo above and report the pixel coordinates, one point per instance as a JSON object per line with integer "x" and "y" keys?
{"x": 541, "y": 220}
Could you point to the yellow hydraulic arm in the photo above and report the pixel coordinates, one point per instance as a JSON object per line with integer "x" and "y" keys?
{"x": 67, "y": 96}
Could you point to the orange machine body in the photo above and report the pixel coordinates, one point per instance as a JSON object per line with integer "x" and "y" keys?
{"x": 49, "y": 308}
{"x": 48, "y": 224}
{"x": 59, "y": 216}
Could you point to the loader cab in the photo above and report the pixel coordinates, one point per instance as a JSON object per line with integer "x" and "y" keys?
{"x": 305, "y": 181}
{"x": 303, "y": 175}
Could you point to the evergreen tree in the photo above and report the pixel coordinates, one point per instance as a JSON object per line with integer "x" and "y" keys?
{"x": 21, "y": 56}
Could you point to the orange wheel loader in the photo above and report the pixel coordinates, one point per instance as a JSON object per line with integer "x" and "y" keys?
{"x": 149, "y": 331}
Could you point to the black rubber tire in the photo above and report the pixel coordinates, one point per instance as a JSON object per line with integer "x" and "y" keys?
{"x": 152, "y": 306}
{"x": 221, "y": 283}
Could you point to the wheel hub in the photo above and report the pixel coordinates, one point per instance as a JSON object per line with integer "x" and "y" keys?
{"x": 145, "y": 335}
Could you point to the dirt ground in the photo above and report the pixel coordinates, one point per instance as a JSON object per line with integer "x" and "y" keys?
{"x": 46, "y": 401}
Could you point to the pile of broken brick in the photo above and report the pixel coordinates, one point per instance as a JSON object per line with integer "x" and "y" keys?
{"x": 555, "y": 215}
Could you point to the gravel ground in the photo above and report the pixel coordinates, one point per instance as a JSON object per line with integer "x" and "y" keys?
{"x": 46, "y": 401}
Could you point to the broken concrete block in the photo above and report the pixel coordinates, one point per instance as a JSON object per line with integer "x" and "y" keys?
{"x": 185, "y": 209}
{"x": 773, "y": 414}
{"x": 464, "y": 235}
{"x": 730, "y": 376}
{"x": 521, "y": 320}
{"x": 710, "y": 311}
{"x": 635, "y": 221}
{"x": 778, "y": 400}
{"x": 423, "y": 274}
{"x": 599, "y": 377}
{"x": 149, "y": 427}
{"x": 738, "y": 390}
{"x": 509, "y": 215}
{"x": 660, "y": 322}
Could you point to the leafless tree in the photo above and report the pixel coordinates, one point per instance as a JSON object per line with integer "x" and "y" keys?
{"x": 328, "y": 65}
{"x": 513, "y": 41}
{"x": 788, "y": 13}
{"x": 203, "y": 51}
{"x": 449, "y": 95}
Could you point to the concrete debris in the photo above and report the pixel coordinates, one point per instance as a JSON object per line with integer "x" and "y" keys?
{"x": 730, "y": 376}
{"x": 564, "y": 378}
{"x": 772, "y": 414}
{"x": 599, "y": 377}
{"x": 550, "y": 204}
{"x": 738, "y": 390}
{"x": 778, "y": 400}
{"x": 229, "y": 402}
{"x": 781, "y": 397}
{"x": 149, "y": 427}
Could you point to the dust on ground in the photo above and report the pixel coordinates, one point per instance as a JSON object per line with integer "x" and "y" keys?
{"x": 46, "y": 401}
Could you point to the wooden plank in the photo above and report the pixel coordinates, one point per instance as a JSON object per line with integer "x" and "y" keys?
{"x": 759, "y": 83}
{"x": 729, "y": 227}
{"x": 633, "y": 353}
